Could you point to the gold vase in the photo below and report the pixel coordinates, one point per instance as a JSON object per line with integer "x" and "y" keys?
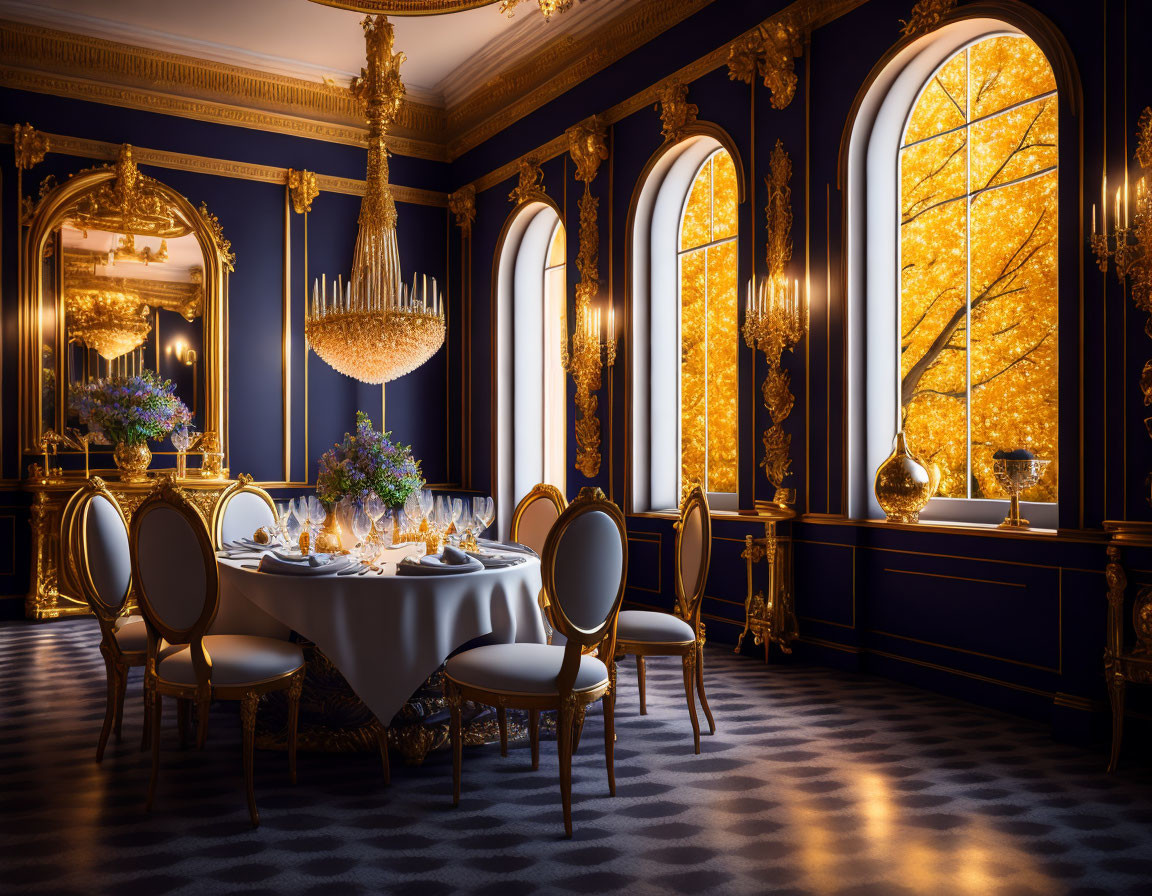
{"x": 132, "y": 460}
{"x": 903, "y": 485}
{"x": 328, "y": 541}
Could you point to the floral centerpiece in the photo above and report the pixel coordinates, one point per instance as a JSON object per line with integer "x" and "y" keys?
{"x": 128, "y": 411}
{"x": 368, "y": 461}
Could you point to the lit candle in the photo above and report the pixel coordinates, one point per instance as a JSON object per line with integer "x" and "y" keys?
{"x": 1104, "y": 203}
{"x": 1117, "y": 208}
{"x": 1093, "y": 219}
{"x": 323, "y": 292}
{"x": 611, "y": 323}
{"x": 1125, "y": 195}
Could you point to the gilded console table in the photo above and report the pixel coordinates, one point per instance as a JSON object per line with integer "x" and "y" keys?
{"x": 1123, "y": 665}
{"x": 52, "y": 592}
{"x": 770, "y": 617}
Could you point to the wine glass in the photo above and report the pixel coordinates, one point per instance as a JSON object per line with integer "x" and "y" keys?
{"x": 412, "y": 509}
{"x": 283, "y": 512}
{"x": 375, "y": 508}
{"x": 426, "y": 501}
{"x": 345, "y": 509}
{"x": 291, "y": 526}
{"x": 361, "y": 527}
{"x": 384, "y": 527}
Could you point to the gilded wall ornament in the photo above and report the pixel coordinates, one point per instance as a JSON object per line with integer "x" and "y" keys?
{"x": 129, "y": 203}
{"x": 1144, "y": 138}
{"x": 926, "y": 15}
{"x": 588, "y": 146}
{"x": 778, "y": 211}
{"x": 30, "y": 144}
{"x": 303, "y": 188}
{"x": 769, "y": 52}
{"x": 531, "y": 182}
{"x": 676, "y": 113}
{"x": 227, "y": 256}
{"x": 462, "y": 204}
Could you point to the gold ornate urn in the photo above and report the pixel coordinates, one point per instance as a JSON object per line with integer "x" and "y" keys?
{"x": 132, "y": 460}
{"x": 903, "y": 484}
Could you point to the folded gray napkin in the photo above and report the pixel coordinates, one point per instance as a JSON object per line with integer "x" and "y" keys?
{"x": 311, "y": 565}
{"x": 452, "y": 562}
{"x": 497, "y": 561}
{"x": 511, "y": 547}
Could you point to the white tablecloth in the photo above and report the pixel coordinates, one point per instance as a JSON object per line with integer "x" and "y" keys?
{"x": 385, "y": 633}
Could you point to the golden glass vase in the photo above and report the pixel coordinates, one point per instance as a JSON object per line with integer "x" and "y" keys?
{"x": 903, "y": 485}
{"x": 132, "y": 460}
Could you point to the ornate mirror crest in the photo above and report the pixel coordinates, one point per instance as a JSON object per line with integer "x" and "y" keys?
{"x": 111, "y": 258}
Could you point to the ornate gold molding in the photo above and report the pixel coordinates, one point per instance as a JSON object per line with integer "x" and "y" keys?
{"x": 45, "y": 60}
{"x": 676, "y": 113}
{"x": 227, "y": 256}
{"x": 1144, "y": 138}
{"x": 770, "y": 51}
{"x": 778, "y": 211}
{"x": 270, "y": 174}
{"x": 462, "y": 204}
{"x": 31, "y": 146}
{"x": 303, "y": 188}
{"x": 588, "y": 146}
{"x": 926, "y": 15}
{"x": 406, "y": 7}
{"x": 531, "y": 182}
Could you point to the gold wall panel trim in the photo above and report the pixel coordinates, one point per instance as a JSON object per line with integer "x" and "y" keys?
{"x": 658, "y": 540}
{"x": 269, "y": 174}
{"x": 1056, "y": 670}
{"x": 938, "y": 575}
{"x": 1049, "y": 695}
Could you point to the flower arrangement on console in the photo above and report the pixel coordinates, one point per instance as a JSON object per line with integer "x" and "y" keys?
{"x": 128, "y": 411}
{"x": 368, "y": 461}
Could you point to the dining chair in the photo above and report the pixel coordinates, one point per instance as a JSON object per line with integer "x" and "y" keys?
{"x": 642, "y": 633}
{"x": 96, "y": 545}
{"x": 178, "y": 585}
{"x": 68, "y": 579}
{"x": 585, "y": 562}
{"x": 242, "y": 509}
{"x": 532, "y": 519}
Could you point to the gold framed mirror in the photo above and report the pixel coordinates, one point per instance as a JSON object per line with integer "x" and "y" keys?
{"x": 121, "y": 274}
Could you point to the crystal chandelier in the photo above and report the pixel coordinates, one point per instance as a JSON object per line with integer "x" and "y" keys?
{"x": 376, "y": 328}
{"x": 111, "y": 322}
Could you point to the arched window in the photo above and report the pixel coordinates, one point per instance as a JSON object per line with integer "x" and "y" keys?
{"x": 530, "y": 427}
{"x": 684, "y": 315}
{"x": 956, "y": 336}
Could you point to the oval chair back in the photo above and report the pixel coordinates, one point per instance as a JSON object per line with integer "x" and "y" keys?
{"x": 535, "y": 515}
{"x": 99, "y": 547}
{"x": 693, "y": 555}
{"x": 69, "y": 541}
{"x": 174, "y": 568}
{"x": 585, "y": 564}
{"x": 241, "y": 510}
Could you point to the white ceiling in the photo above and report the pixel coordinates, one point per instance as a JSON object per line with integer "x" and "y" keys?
{"x": 184, "y": 255}
{"x": 448, "y": 56}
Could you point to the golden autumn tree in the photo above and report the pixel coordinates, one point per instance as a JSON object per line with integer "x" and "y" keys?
{"x": 978, "y": 274}
{"x": 709, "y": 336}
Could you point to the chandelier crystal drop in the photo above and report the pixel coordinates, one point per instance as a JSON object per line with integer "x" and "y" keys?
{"x": 376, "y": 328}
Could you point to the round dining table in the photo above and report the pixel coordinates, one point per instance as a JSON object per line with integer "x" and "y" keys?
{"x": 386, "y": 633}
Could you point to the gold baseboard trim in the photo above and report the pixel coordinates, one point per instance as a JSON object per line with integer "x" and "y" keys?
{"x": 1071, "y": 701}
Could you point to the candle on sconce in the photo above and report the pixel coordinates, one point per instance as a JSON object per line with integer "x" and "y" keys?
{"x": 1104, "y": 203}
{"x": 611, "y": 323}
{"x": 1118, "y": 225}
{"x": 1093, "y": 219}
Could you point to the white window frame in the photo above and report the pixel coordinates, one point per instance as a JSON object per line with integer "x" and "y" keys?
{"x": 874, "y": 287}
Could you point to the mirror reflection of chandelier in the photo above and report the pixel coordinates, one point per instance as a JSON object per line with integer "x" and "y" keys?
{"x": 110, "y": 321}
{"x": 375, "y": 328}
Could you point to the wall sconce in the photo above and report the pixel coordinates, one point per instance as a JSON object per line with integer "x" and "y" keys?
{"x": 1121, "y": 244}
{"x": 775, "y": 319}
{"x": 588, "y": 357}
{"x": 187, "y": 356}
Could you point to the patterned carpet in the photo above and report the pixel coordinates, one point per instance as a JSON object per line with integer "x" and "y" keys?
{"x": 817, "y": 782}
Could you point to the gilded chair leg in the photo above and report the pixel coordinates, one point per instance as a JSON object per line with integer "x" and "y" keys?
{"x": 1116, "y": 696}
{"x": 577, "y": 728}
{"x": 109, "y": 709}
{"x": 453, "y": 697}
{"x": 121, "y": 687}
{"x": 689, "y": 676}
{"x": 700, "y": 688}
{"x": 382, "y": 744}
{"x": 146, "y": 735}
{"x": 155, "y": 713}
{"x": 248, "y": 726}
{"x": 295, "y": 687}
{"x": 609, "y": 704}
{"x": 502, "y": 720}
{"x": 183, "y": 711}
{"x": 534, "y": 736}
{"x": 564, "y": 719}
{"x": 640, "y": 681}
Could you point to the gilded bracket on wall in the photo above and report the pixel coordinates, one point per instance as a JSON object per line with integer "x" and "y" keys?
{"x": 588, "y": 146}
{"x": 676, "y": 113}
{"x": 303, "y": 187}
{"x": 31, "y": 146}
{"x": 770, "y": 617}
{"x": 770, "y": 53}
{"x": 926, "y": 15}
{"x": 462, "y": 204}
{"x": 531, "y": 183}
